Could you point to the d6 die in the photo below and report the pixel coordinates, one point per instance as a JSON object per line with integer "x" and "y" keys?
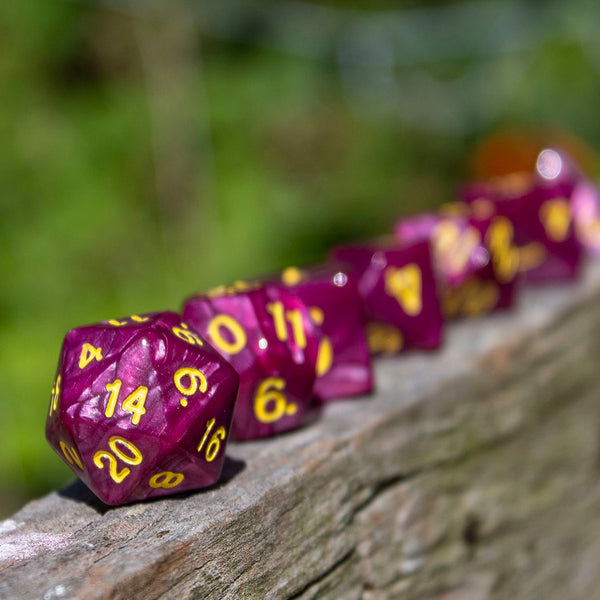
{"x": 141, "y": 407}
{"x": 344, "y": 362}
{"x": 474, "y": 258}
{"x": 267, "y": 334}
{"x": 539, "y": 207}
{"x": 398, "y": 288}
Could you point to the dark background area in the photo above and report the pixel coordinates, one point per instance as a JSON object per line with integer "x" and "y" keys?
{"x": 150, "y": 150}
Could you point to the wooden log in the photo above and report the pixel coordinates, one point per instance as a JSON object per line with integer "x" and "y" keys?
{"x": 472, "y": 474}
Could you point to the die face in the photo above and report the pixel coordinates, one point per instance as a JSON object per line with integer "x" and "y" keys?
{"x": 544, "y": 232}
{"x": 399, "y": 292}
{"x": 268, "y": 337}
{"x": 500, "y": 276}
{"x": 457, "y": 246}
{"x": 143, "y": 410}
{"x": 585, "y": 204}
{"x": 539, "y": 207}
{"x": 474, "y": 256}
{"x": 344, "y": 365}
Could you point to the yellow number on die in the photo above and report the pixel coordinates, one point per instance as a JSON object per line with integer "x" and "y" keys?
{"x": 270, "y": 403}
{"x": 197, "y": 382}
{"x": 183, "y": 333}
{"x": 324, "y": 357}
{"x": 134, "y": 403}
{"x": 235, "y": 330}
{"x": 292, "y": 276}
{"x": 504, "y": 255}
{"x": 114, "y": 442}
{"x": 55, "y": 396}
{"x": 88, "y": 354}
{"x": 71, "y": 454}
{"x": 215, "y": 441}
{"x": 139, "y": 319}
{"x": 405, "y": 286}
{"x": 555, "y": 216}
{"x": 293, "y": 317}
{"x": 325, "y": 354}
{"x": 384, "y": 338}
{"x": 117, "y": 323}
{"x": 166, "y": 479}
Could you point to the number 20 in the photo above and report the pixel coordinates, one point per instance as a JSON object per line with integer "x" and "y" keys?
{"x": 135, "y": 459}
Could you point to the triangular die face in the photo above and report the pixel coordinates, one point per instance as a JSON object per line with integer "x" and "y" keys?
{"x": 88, "y": 354}
{"x": 405, "y": 285}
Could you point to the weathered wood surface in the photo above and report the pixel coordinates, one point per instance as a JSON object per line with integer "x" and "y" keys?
{"x": 473, "y": 474}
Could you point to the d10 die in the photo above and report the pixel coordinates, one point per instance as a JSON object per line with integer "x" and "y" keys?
{"x": 539, "y": 206}
{"x": 268, "y": 336}
{"x": 141, "y": 407}
{"x": 344, "y": 362}
{"x": 398, "y": 289}
{"x": 475, "y": 258}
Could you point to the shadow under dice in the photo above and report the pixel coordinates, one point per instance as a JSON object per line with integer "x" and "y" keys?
{"x": 474, "y": 258}
{"x": 141, "y": 407}
{"x": 267, "y": 335}
{"x": 344, "y": 363}
{"x": 398, "y": 289}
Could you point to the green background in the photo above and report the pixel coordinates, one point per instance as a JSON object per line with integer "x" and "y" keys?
{"x": 146, "y": 157}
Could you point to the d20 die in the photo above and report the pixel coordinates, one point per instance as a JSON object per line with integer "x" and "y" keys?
{"x": 474, "y": 258}
{"x": 344, "y": 361}
{"x": 141, "y": 407}
{"x": 398, "y": 288}
{"x": 268, "y": 336}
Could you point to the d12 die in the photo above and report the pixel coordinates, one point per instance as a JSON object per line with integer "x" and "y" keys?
{"x": 344, "y": 362}
{"x": 474, "y": 258}
{"x": 398, "y": 289}
{"x": 268, "y": 336}
{"x": 539, "y": 206}
{"x": 141, "y": 407}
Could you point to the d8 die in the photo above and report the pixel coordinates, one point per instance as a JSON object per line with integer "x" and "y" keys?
{"x": 268, "y": 336}
{"x": 344, "y": 362}
{"x": 474, "y": 258}
{"x": 398, "y": 288}
{"x": 538, "y": 204}
{"x": 141, "y": 407}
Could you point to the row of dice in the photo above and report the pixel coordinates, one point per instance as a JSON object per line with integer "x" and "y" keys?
{"x": 144, "y": 406}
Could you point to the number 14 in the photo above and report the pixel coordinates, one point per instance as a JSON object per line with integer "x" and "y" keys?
{"x": 134, "y": 403}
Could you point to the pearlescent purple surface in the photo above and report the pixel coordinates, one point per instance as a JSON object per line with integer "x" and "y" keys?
{"x": 398, "y": 288}
{"x": 585, "y": 203}
{"x": 144, "y": 407}
{"x": 267, "y": 334}
{"x": 344, "y": 363}
{"x": 474, "y": 258}
{"x": 539, "y": 205}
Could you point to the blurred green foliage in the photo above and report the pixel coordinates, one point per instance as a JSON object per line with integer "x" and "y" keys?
{"x": 119, "y": 196}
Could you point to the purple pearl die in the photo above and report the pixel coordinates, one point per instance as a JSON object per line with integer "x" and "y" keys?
{"x": 141, "y": 407}
{"x": 398, "y": 288}
{"x": 344, "y": 362}
{"x": 539, "y": 206}
{"x": 268, "y": 336}
{"x": 474, "y": 259}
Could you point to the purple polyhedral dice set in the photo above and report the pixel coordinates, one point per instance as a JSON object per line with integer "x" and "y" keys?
{"x": 144, "y": 406}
